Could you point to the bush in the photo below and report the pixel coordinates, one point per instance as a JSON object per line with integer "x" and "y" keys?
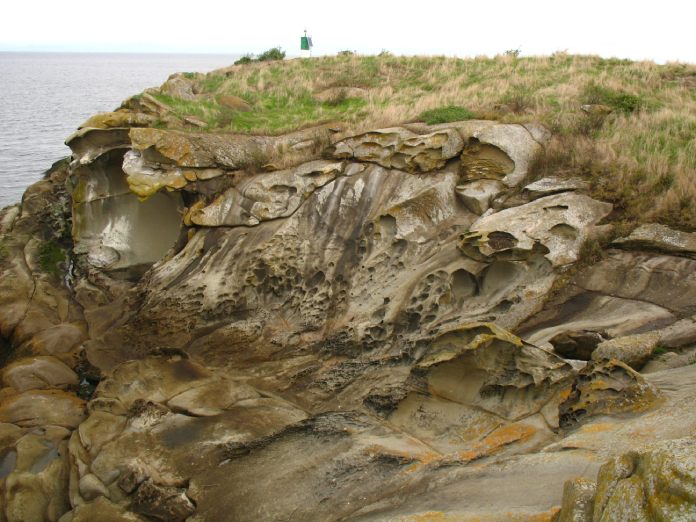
{"x": 246, "y": 59}
{"x": 276, "y": 53}
{"x": 446, "y": 115}
{"x": 618, "y": 100}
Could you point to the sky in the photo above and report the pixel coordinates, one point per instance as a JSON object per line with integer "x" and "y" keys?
{"x": 656, "y": 30}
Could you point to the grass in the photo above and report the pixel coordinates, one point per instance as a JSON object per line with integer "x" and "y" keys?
{"x": 445, "y": 115}
{"x": 660, "y": 350}
{"x": 51, "y": 258}
{"x": 641, "y": 156}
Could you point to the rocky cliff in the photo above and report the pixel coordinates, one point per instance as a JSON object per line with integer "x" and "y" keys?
{"x": 398, "y": 324}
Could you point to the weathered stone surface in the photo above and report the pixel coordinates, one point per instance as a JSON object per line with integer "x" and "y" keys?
{"x": 105, "y": 212}
{"x": 478, "y": 195}
{"x": 487, "y": 368}
{"x": 34, "y": 478}
{"x": 267, "y": 196}
{"x": 554, "y": 226}
{"x": 206, "y": 150}
{"x": 654, "y": 483}
{"x": 180, "y": 87}
{"x": 337, "y": 345}
{"x": 659, "y": 237}
{"x": 503, "y": 152}
{"x": 606, "y": 387}
{"x": 118, "y": 119}
{"x": 402, "y": 149}
{"x": 103, "y": 510}
{"x": 634, "y": 350}
{"x": 162, "y": 502}
{"x": 38, "y": 372}
{"x": 578, "y": 501}
{"x": 34, "y": 408}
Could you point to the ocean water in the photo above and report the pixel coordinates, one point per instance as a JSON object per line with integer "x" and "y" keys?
{"x": 45, "y": 96}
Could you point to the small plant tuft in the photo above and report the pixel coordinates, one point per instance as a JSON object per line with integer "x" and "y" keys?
{"x": 275, "y": 53}
{"x": 446, "y": 114}
{"x": 244, "y": 60}
{"x": 513, "y": 52}
{"x": 660, "y": 350}
{"x": 620, "y": 101}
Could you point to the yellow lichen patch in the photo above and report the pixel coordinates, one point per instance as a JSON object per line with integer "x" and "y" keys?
{"x": 599, "y": 427}
{"x": 498, "y": 439}
{"x": 198, "y": 205}
{"x": 169, "y": 144}
{"x": 122, "y": 118}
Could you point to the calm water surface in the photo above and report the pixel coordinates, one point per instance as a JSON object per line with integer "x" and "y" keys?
{"x": 45, "y": 96}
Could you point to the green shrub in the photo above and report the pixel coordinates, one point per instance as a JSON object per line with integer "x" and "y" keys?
{"x": 246, "y": 59}
{"x": 513, "y": 52}
{"x": 346, "y": 53}
{"x": 189, "y": 75}
{"x": 618, "y": 100}
{"x": 275, "y": 53}
{"x": 446, "y": 115}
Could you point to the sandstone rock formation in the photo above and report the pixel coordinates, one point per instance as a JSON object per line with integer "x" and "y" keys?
{"x": 399, "y": 326}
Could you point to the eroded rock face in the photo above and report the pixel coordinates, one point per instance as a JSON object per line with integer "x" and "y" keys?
{"x": 401, "y": 149}
{"x": 606, "y": 387}
{"x": 554, "y": 226}
{"x": 339, "y": 336}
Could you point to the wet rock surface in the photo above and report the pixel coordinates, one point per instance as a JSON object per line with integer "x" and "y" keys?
{"x": 391, "y": 328}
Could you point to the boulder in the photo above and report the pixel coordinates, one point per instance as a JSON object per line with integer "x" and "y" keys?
{"x": 118, "y": 119}
{"x": 179, "y": 87}
{"x": 634, "y": 350}
{"x": 653, "y": 236}
{"x": 233, "y": 102}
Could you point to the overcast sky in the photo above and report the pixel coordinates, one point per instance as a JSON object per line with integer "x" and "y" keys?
{"x": 657, "y": 30}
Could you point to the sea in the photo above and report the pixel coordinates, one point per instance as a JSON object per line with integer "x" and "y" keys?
{"x": 45, "y": 96}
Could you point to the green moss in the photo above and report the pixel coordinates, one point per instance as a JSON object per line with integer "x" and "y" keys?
{"x": 660, "y": 350}
{"x": 51, "y": 257}
{"x": 446, "y": 115}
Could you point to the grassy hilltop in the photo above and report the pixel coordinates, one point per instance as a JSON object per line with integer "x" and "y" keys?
{"x": 636, "y": 143}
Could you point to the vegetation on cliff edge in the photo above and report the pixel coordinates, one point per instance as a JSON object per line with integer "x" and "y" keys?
{"x": 636, "y": 143}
